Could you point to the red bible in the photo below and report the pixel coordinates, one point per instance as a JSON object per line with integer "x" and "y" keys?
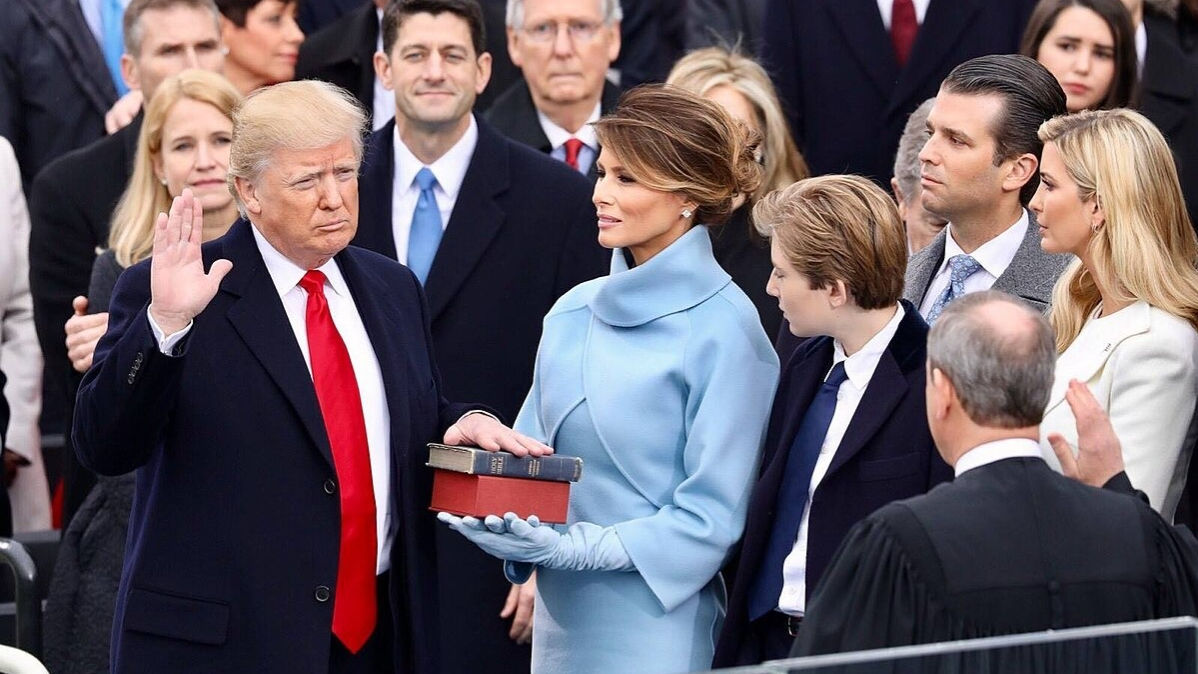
{"x": 482, "y": 495}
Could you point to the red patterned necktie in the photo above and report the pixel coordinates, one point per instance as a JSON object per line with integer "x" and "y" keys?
{"x": 903, "y": 27}
{"x": 354, "y": 599}
{"x": 573, "y": 147}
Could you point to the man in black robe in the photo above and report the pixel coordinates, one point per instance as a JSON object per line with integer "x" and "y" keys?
{"x": 1010, "y": 546}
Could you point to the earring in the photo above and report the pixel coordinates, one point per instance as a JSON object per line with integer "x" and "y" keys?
{"x": 1095, "y": 228}
{"x": 686, "y": 213}
{"x": 163, "y": 181}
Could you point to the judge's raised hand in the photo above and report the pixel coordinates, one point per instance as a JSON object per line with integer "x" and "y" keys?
{"x": 1099, "y": 453}
{"x": 179, "y": 288}
{"x": 485, "y": 431}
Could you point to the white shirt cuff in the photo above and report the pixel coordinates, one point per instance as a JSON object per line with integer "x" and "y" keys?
{"x": 167, "y": 343}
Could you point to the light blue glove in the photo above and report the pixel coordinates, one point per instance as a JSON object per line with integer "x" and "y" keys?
{"x": 584, "y": 546}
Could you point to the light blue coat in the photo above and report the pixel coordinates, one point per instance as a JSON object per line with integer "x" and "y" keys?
{"x": 661, "y": 378}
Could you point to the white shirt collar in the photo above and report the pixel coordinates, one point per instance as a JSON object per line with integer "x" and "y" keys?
{"x": 450, "y": 169}
{"x": 558, "y": 136}
{"x": 997, "y": 450}
{"x": 1141, "y": 48}
{"x": 886, "y": 8}
{"x": 861, "y": 365}
{"x": 996, "y": 254}
{"x": 286, "y": 274}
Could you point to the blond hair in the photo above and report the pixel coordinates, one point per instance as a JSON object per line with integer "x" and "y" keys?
{"x": 705, "y": 69}
{"x": 670, "y": 140}
{"x": 839, "y": 228}
{"x": 301, "y": 115}
{"x": 1146, "y": 249}
{"x": 131, "y": 232}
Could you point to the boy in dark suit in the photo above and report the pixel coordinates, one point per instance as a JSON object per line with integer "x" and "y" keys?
{"x": 847, "y": 434}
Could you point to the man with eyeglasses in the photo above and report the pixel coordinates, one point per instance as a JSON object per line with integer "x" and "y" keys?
{"x": 564, "y": 49}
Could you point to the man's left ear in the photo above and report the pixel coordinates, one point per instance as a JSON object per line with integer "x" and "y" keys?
{"x": 1023, "y": 169}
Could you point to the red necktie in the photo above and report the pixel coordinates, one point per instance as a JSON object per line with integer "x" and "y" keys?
{"x": 903, "y": 27}
{"x": 354, "y": 599}
{"x": 573, "y": 147}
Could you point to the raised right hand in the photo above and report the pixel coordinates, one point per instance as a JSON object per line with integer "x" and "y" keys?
{"x": 179, "y": 288}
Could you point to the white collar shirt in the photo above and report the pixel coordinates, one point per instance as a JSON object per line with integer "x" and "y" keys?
{"x": 286, "y": 275}
{"x": 997, "y": 450}
{"x": 1141, "y": 48}
{"x": 994, "y": 256}
{"x": 886, "y": 8}
{"x": 859, "y": 369}
{"x": 449, "y": 170}
{"x": 558, "y": 136}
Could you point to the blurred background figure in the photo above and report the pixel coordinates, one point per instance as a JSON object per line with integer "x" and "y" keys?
{"x": 1089, "y": 46}
{"x": 1126, "y": 311}
{"x": 20, "y": 358}
{"x": 725, "y": 23}
{"x": 262, "y": 40}
{"x": 184, "y": 143}
{"x": 342, "y": 53}
{"x": 922, "y": 225}
{"x": 741, "y": 86}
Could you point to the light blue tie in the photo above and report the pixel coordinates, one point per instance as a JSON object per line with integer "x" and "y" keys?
{"x": 960, "y": 267}
{"x": 111, "y": 15}
{"x": 425, "y": 233}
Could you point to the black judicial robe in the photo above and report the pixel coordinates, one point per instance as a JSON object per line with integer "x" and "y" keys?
{"x": 1007, "y": 547}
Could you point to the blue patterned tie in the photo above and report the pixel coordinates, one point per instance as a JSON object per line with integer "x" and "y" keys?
{"x": 961, "y": 267}
{"x": 792, "y": 495}
{"x": 425, "y": 234}
{"x": 111, "y": 15}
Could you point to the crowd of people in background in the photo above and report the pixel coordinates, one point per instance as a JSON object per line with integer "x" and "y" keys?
{"x": 824, "y": 292}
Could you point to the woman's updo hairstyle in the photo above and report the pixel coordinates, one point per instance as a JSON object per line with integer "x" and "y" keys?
{"x": 671, "y": 140}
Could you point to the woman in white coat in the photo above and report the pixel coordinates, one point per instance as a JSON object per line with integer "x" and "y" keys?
{"x": 660, "y": 377}
{"x": 1125, "y": 312}
{"x": 20, "y": 357}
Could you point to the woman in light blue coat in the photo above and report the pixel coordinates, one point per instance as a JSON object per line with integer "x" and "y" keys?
{"x": 660, "y": 377}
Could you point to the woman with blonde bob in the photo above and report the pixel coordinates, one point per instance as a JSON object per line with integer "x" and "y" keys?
{"x": 184, "y": 144}
{"x": 1126, "y": 311}
{"x": 741, "y": 86}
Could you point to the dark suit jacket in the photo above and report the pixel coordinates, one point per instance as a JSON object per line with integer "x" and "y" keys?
{"x": 1008, "y": 547}
{"x": 54, "y": 86}
{"x": 233, "y": 531}
{"x": 314, "y": 15}
{"x": 515, "y": 115}
{"x": 1030, "y": 276}
{"x": 836, "y": 73}
{"x": 70, "y": 206}
{"x": 886, "y": 454}
{"x": 1169, "y": 98}
{"x": 507, "y": 254}
{"x": 343, "y": 53}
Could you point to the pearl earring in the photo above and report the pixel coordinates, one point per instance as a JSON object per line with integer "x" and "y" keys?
{"x": 163, "y": 181}
{"x": 686, "y": 213}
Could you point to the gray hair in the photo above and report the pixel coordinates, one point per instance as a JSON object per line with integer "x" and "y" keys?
{"x": 906, "y": 160}
{"x": 610, "y": 9}
{"x": 301, "y": 115}
{"x": 1002, "y": 371}
{"x": 135, "y": 32}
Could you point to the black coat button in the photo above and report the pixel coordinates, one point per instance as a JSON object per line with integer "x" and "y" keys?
{"x": 330, "y": 486}
{"x": 322, "y": 593}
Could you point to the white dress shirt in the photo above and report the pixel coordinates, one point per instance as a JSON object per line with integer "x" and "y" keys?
{"x": 449, "y": 170}
{"x": 859, "y": 368}
{"x": 286, "y": 275}
{"x": 1141, "y": 48}
{"x": 996, "y": 450}
{"x": 558, "y": 136}
{"x": 383, "y": 108}
{"x": 887, "y": 6}
{"x": 994, "y": 256}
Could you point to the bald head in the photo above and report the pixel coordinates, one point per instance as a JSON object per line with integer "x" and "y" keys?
{"x": 999, "y": 356}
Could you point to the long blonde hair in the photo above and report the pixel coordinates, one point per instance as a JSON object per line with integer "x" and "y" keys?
{"x": 1146, "y": 249}
{"x": 131, "y": 232}
{"x": 705, "y": 69}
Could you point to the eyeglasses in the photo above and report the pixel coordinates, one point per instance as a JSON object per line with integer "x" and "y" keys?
{"x": 579, "y": 31}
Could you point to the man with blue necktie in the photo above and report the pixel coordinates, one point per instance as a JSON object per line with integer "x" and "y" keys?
{"x": 495, "y": 232}
{"x": 847, "y": 433}
{"x": 980, "y": 167}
